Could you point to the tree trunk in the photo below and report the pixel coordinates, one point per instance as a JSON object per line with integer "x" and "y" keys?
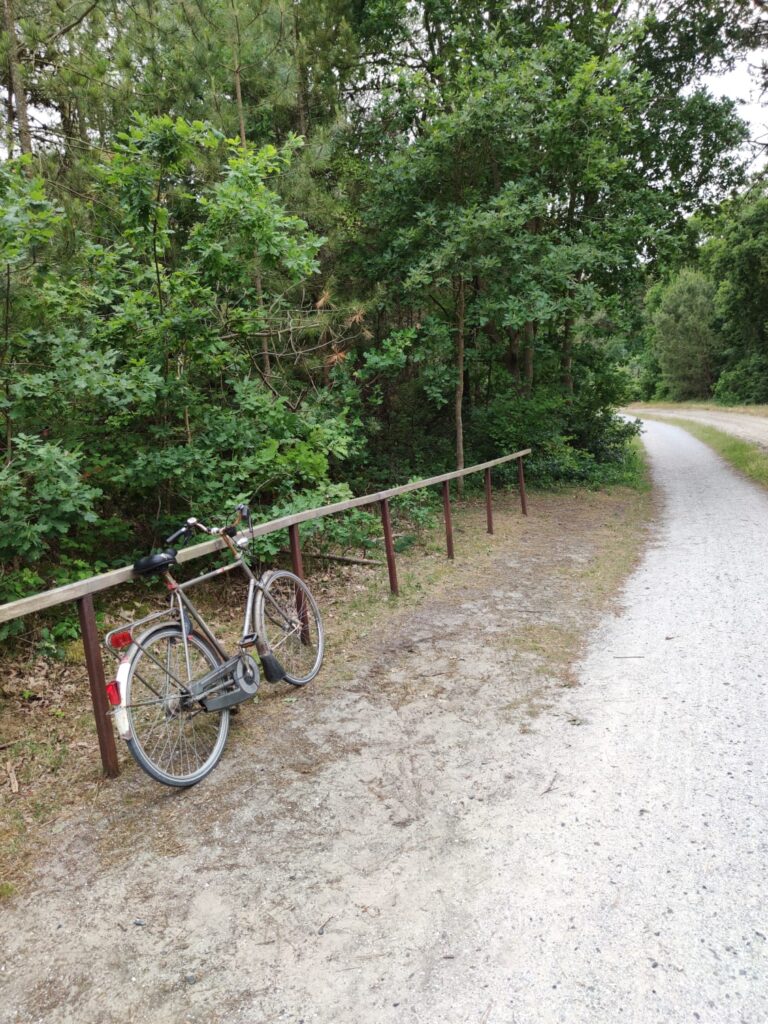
{"x": 5, "y": 365}
{"x": 459, "y": 398}
{"x": 17, "y": 83}
{"x": 82, "y": 127}
{"x": 301, "y": 76}
{"x": 236, "y": 71}
{"x": 566, "y": 356}
{"x": 513, "y": 355}
{"x": 266, "y": 368}
{"x": 10, "y": 141}
{"x": 239, "y": 102}
{"x": 529, "y": 335}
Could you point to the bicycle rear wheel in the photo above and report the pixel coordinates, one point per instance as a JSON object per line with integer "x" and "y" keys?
{"x": 287, "y": 617}
{"x": 174, "y": 740}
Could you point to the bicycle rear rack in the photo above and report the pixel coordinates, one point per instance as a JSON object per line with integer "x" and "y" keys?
{"x": 170, "y": 615}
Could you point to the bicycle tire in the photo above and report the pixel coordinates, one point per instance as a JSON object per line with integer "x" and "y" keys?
{"x": 288, "y": 619}
{"x": 174, "y": 745}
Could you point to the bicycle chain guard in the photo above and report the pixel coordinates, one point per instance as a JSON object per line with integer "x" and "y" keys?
{"x": 245, "y": 683}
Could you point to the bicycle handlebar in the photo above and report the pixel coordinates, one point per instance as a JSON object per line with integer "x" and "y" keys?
{"x": 175, "y": 536}
{"x": 243, "y": 513}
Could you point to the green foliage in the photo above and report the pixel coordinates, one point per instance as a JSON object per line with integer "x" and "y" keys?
{"x": 42, "y": 497}
{"x": 286, "y": 252}
{"x": 746, "y": 382}
{"x": 685, "y": 341}
{"x": 42, "y": 500}
{"x": 27, "y": 218}
{"x": 708, "y": 328}
{"x": 416, "y": 510}
{"x": 126, "y": 366}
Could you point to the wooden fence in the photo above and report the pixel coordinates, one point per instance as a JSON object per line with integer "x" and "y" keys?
{"x": 82, "y": 591}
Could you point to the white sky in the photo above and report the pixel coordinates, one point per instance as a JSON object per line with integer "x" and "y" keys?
{"x": 742, "y": 85}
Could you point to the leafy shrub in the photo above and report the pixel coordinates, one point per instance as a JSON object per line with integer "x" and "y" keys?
{"x": 42, "y": 498}
{"x": 416, "y": 510}
{"x": 746, "y": 382}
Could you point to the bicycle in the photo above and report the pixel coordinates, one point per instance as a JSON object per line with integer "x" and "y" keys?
{"x": 176, "y": 685}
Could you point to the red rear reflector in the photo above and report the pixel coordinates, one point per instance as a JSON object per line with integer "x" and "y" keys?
{"x": 121, "y": 640}
{"x": 113, "y": 692}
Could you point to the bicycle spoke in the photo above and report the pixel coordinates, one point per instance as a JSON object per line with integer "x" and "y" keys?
{"x": 170, "y": 739}
{"x": 289, "y": 622}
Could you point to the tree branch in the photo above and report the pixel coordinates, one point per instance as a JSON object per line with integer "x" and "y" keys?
{"x": 73, "y": 24}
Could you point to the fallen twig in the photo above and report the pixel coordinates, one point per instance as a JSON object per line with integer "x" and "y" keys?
{"x": 338, "y": 558}
{"x": 551, "y": 785}
{"x": 11, "y": 773}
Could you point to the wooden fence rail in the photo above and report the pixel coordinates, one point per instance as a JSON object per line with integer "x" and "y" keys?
{"x": 83, "y": 590}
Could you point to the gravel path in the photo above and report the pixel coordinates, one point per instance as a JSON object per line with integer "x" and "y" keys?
{"x": 741, "y": 424}
{"x": 647, "y": 900}
{"x": 431, "y": 854}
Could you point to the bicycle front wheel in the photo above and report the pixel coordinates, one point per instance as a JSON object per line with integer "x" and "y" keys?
{"x": 172, "y": 738}
{"x": 287, "y": 618}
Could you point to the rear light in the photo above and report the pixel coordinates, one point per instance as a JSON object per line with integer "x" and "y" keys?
{"x": 118, "y": 641}
{"x": 113, "y": 692}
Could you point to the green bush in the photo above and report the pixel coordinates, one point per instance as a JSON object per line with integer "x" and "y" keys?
{"x": 746, "y": 382}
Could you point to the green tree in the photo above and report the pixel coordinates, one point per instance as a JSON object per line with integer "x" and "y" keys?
{"x": 515, "y": 197}
{"x": 686, "y": 342}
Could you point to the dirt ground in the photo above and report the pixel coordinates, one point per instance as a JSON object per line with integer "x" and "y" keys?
{"x": 327, "y": 870}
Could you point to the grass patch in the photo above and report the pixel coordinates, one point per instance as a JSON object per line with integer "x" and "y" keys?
{"x": 750, "y": 459}
{"x": 632, "y": 471}
{"x": 749, "y": 410}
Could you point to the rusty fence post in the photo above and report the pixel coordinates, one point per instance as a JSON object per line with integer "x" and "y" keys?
{"x": 298, "y": 568}
{"x": 521, "y": 484}
{"x": 389, "y": 546}
{"x": 488, "y": 500}
{"x": 296, "y": 560}
{"x": 95, "y": 667}
{"x": 447, "y": 516}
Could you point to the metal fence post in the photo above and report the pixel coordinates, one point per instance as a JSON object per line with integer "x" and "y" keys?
{"x": 521, "y": 484}
{"x": 296, "y": 560}
{"x": 298, "y": 568}
{"x": 81, "y": 592}
{"x": 95, "y": 667}
{"x": 488, "y": 501}
{"x": 389, "y": 546}
{"x": 447, "y": 516}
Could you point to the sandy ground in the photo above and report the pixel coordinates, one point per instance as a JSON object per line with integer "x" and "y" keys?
{"x": 744, "y": 425}
{"x": 440, "y": 844}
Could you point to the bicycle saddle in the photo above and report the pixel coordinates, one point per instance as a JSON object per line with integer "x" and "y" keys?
{"x": 154, "y": 563}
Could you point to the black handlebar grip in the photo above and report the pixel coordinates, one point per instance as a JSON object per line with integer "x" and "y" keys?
{"x": 175, "y": 536}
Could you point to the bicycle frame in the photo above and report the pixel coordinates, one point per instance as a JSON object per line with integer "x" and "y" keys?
{"x": 181, "y": 608}
{"x": 186, "y": 609}
{"x": 173, "y": 668}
